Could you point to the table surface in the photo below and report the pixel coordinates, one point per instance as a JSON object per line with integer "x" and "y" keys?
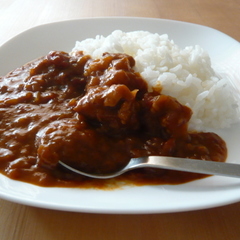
{"x": 23, "y": 222}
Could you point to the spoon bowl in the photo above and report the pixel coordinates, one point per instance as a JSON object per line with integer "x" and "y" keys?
{"x": 171, "y": 163}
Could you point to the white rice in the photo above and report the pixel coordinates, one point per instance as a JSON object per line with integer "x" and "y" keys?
{"x": 185, "y": 74}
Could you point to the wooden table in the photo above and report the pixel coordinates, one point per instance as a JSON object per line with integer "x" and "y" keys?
{"x": 18, "y": 222}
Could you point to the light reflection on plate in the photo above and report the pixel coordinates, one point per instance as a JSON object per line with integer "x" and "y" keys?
{"x": 210, "y": 192}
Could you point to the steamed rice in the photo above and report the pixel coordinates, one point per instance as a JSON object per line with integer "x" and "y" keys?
{"x": 185, "y": 74}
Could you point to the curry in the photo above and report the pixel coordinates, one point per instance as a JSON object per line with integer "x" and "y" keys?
{"x": 93, "y": 114}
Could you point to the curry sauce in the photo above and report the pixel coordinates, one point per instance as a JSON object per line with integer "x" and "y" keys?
{"x": 93, "y": 115}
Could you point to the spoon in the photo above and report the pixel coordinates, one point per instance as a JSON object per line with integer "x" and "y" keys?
{"x": 173, "y": 163}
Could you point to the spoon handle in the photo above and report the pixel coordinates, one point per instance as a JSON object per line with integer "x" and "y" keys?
{"x": 192, "y": 165}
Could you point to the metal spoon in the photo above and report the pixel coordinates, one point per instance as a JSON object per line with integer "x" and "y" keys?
{"x": 173, "y": 163}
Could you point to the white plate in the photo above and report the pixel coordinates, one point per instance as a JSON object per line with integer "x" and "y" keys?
{"x": 200, "y": 194}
